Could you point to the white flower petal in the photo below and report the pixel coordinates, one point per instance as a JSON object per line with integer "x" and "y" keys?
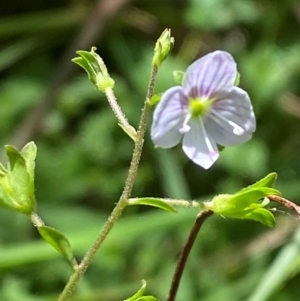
{"x": 168, "y": 118}
{"x": 198, "y": 146}
{"x": 231, "y": 119}
{"x": 214, "y": 73}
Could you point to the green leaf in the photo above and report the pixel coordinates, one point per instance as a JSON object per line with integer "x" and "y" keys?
{"x": 154, "y": 202}
{"x": 248, "y": 203}
{"x": 58, "y": 241}
{"x": 263, "y": 216}
{"x": 178, "y": 76}
{"x": 237, "y": 79}
{"x": 13, "y": 156}
{"x": 267, "y": 181}
{"x": 91, "y": 59}
{"x": 146, "y": 298}
{"x": 29, "y": 154}
{"x": 155, "y": 99}
{"x": 245, "y": 198}
{"x": 139, "y": 293}
{"x": 3, "y": 170}
{"x": 17, "y": 190}
{"x": 86, "y": 66}
{"x": 95, "y": 68}
{"x": 132, "y": 134}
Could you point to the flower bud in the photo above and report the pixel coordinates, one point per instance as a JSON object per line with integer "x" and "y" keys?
{"x": 97, "y": 72}
{"x": 162, "y": 48}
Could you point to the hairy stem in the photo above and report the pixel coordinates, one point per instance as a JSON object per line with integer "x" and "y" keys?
{"x": 118, "y": 112}
{"x": 132, "y": 172}
{"x": 288, "y": 204}
{"x": 201, "y": 217}
{"x": 36, "y": 220}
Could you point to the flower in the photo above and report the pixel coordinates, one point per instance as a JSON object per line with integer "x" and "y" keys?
{"x": 206, "y": 111}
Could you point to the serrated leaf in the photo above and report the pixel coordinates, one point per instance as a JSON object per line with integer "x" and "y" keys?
{"x": 58, "y": 241}
{"x": 154, "y": 202}
{"x": 139, "y": 293}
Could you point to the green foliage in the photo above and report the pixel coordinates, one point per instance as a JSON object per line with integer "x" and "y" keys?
{"x": 58, "y": 241}
{"x": 178, "y": 76}
{"x": 17, "y": 182}
{"x": 245, "y": 203}
{"x": 138, "y": 296}
{"x": 154, "y": 202}
{"x": 84, "y": 155}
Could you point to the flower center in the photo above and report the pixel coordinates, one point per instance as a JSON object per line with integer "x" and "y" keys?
{"x": 199, "y": 106}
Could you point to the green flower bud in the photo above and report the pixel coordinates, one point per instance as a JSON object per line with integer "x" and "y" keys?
{"x": 97, "y": 72}
{"x": 162, "y": 48}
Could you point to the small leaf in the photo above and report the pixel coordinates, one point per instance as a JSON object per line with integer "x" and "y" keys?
{"x": 178, "y": 76}
{"x": 220, "y": 147}
{"x": 237, "y": 79}
{"x": 245, "y": 198}
{"x": 139, "y": 293}
{"x": 267, "y": 181}
{"x": 18, "y": 189}
{"x": 154, "y": 202}
{"x": 263, "y": 216}
{"x": 132, "y": 134}
{"x": 91, "y": 59}
{"x": 58, "y": 241}
{"x": 154, "y": 99}
{"x": 146, "y": 298}
{"x": 86, "y": 66}
{"x": 13, "y": 157}
{"x": 29, "y": 154}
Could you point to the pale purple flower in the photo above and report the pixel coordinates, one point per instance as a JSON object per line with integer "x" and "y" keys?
{"x": 208, "y": 109}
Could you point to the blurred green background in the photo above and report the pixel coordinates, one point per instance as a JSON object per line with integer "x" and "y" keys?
{"x": 83, "y": 155}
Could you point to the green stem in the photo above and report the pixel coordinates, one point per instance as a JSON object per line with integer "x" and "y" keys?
{"x": 36, "y": 220}
{"x": 118, "y": 112}
{"x": 132, "y": 172}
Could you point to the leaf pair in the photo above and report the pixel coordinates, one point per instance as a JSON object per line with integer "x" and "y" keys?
{"x": 17, "y": 193}
{"x": 246, "y": 203}
{"x": 138, "y": 296}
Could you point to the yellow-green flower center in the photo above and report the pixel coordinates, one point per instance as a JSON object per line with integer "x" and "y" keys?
{"x": 199, "y": 106}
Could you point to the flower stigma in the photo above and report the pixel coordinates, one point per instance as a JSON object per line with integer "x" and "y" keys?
{"x": 199, "y": 106}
